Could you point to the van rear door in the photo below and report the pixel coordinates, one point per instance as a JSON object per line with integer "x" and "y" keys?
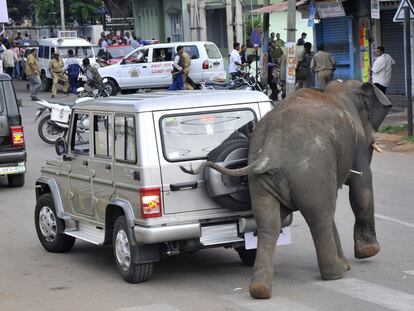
{"x": 185, "y": 138}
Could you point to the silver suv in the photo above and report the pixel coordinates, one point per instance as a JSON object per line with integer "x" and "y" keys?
{"x": 118, "y": 179}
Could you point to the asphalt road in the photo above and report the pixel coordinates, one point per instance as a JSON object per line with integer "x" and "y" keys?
{"x": 86, "y": 278}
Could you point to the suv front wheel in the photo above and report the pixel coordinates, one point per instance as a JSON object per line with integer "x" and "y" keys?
{"x": 49, "y": 227}
{"x": 125, "y": 256}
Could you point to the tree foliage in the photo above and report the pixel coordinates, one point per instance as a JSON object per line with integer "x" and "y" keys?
{"x": 48, "y": 11}
{"x": 20, "y": 10}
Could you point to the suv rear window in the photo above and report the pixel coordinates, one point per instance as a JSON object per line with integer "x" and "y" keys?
{"x": 193, "y": 136}
{"x": 212, "y": 51}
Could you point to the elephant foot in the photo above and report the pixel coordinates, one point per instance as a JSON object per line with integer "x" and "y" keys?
{"x": 260, "y": 290}
{"x": 333, "y": 273}
{"x": 366, "y": 251}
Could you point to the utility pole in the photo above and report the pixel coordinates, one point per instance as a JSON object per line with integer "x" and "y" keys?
{"x": 239, "y": 21}
{"x": 203, "y": 23}
{"x": 229, "y": 21}
{"x": 265, "y": 46}
{"x": 408, "y": 83}
{"x": 62, "y": 14}
{"x": 291, "y": 57}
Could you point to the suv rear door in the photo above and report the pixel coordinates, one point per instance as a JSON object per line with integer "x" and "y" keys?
{"x": 186, "y": 137}
{"x": 214, "y": 60}
{"x": 9, "y": 113}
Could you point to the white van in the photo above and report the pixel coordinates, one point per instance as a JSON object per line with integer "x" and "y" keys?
{"x": 150, "y": 66}
{"x": 80, "y": 47}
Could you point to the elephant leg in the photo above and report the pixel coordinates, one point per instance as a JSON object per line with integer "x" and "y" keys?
{"x": 362, "y": 203}
{"x": 266, "y": 210}
{"x": 330, "y": 265}
{"x": 345, "y": 263}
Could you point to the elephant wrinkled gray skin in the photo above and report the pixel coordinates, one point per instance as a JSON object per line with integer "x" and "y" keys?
{"x": 300, "y": 154}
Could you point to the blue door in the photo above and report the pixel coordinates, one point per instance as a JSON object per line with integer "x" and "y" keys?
{"x": 336, "y": 36}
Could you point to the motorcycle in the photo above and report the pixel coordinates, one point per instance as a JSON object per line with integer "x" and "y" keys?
{"x": 243, "y": 81}
{"x": 54, "y": 120}
{"x": 55, "y": 117}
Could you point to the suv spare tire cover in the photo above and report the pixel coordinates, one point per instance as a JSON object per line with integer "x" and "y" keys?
{"x": 229, "y": 192}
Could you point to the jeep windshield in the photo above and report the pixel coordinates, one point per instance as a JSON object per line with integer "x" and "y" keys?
{"x": 80, "y": 52}
{"x": 193, "y": 136}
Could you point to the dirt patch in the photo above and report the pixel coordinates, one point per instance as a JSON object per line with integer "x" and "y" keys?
{"x": 394, "y": 142}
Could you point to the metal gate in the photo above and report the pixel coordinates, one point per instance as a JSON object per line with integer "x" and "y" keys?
{"x": 336, "y": 36}
{"x": 392, "y": 39}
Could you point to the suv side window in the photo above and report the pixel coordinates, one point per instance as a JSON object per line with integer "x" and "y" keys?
{"x": 102, "y": 133}
{"x": 80, "y": 133}
{"x": 46, "y": 54}
{"x": 162, "y": 55}
{"x": 192, "y": 51}
{"x": 125, "y": 138}
{"x": 40, "y": 52}
{"x": 139, "y": 56}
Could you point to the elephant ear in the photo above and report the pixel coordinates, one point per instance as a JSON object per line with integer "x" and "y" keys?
{"x": 376, "y": 103}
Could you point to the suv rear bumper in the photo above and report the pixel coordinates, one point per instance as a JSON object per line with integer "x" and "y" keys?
{"x": 12, "y": 157}
{"x": 152, "y": 235}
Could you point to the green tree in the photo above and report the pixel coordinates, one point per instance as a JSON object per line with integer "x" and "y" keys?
{"x": 48, "y": 11}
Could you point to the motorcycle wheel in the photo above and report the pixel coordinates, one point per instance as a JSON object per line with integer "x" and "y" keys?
{"x": 49, "y": 132}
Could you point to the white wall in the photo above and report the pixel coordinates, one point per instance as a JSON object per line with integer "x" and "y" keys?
{"x": 278, "y": 24}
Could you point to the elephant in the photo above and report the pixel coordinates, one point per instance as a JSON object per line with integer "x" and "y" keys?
{"x": 300, "y": 154}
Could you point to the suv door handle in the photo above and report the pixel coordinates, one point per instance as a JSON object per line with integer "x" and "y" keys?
{"x": 85, "y": 163}
{"x": 108, "y": 166}
{"x": 188, "y": 185}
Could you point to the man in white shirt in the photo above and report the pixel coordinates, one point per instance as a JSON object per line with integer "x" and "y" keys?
{"x": 381, "y": 69}
{"x": 235, "y": 61}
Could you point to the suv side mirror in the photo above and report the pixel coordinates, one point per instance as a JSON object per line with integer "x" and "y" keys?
{"x": 60, "y": 146}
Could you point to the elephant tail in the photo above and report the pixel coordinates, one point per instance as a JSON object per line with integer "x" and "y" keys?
{"x": 255, "y": 167}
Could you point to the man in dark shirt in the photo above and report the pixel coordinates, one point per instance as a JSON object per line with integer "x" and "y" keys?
{"x": 301, "y": 40}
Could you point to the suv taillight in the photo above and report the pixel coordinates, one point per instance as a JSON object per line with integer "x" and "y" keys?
{"x": 17, "y": 136}
{"x": 206, "y": 64}
{"x": 150, "y": 202}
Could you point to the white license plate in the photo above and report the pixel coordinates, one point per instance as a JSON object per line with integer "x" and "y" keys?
{"x": 12, "y": 169}
{"x": 285, "y": 238}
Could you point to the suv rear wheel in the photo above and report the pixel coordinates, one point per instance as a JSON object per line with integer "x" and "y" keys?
{"x": 46, "y": 82}
{"x": 49, "y": 227}
{"x": 15, "y": 180}
{"x": 125, "y": 257}
{"x": 247, "y": 256}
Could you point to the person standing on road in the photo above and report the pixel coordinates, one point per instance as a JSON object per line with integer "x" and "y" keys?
{"x": 235, "y": 63}
{"x": 186, "y": 70}
{"x": 279, "y": 42}
{"x": 93, "y": 78}
{"x": 9, "y": 61}
{"x": 381, "y": 70}
{"x": 301, "y": 40}
{"x": 303, "y": 72}
{"x": 73, "y": 69}
{"x": 33, "y": 74}
{"x": 324, "y": 65}
{"x": 56, "y": 67}
{"x": 177, "y": 72}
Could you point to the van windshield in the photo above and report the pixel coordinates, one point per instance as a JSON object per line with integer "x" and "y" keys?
{"x": 79, "y": 52}
{"x": 194, "y": 136}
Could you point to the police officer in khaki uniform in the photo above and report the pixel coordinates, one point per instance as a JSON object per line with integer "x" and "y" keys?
{"x": 324, "y": 65}
{"x": 186, "y": 70}
{"x": 56, "y": 66}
